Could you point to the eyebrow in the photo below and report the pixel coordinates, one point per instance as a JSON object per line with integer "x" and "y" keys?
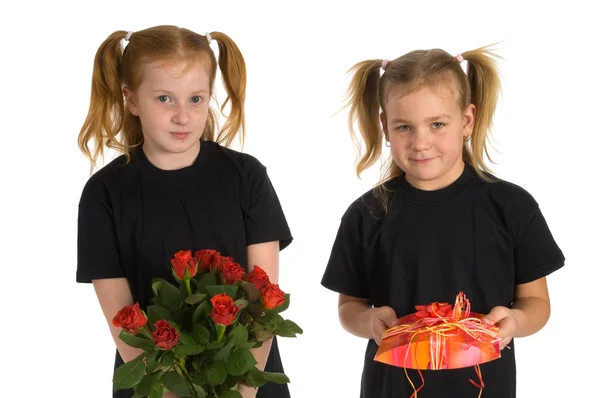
{"x": 168, "y": 92}
{"x": 429, "y": 119}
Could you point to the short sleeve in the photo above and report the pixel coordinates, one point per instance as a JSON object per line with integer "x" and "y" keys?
{"x": 346, "y": 270}
{"x": 264, "y": 218}
{"x": 98, "y": 254}
{"x": 536, "y": 253}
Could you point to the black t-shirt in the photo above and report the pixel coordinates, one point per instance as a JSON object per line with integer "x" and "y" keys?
{"x": 479, "y": 237}
{"x": 133, "y": 218}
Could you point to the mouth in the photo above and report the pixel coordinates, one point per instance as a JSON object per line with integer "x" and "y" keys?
{"x": 180, "y": 135}
{"x": 422, "y": 161}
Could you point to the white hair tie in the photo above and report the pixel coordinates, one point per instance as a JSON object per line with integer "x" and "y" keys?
{"x": 128, "y": 36}
{"x": 208, "y": 37}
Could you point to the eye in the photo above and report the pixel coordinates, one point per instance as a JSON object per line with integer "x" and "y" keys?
{"x": 437, "y": 125}
{"x": 196, "y": 99}
{"x": 404, "y": 127}
{"x": 163, "y": 98}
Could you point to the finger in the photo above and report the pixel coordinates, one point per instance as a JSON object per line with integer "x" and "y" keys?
{"x": 495, "y": 316}
{"x": 379, "y": 329}
{"x": 388, "y": 316}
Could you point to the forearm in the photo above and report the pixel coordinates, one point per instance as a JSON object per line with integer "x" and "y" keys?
{"x": 113, "y": 295}
{"x": 261, "y": 354}
{"x": 531, "y": 314}
{"x": 355, "y": 318}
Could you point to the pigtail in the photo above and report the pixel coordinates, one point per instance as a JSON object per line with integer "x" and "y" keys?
{"x": 363, "y": 99}
{"x": 233, "y": 71}
{"x": 105, "y": 117}
{"x": 484, "y": 82}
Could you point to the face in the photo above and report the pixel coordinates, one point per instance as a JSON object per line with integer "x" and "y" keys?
{"x": 426, "y": 129}
{"x": 172, "y": 104}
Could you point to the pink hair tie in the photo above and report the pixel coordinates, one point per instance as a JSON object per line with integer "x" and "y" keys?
{"x": 384, "y": 63}
{"x": 460, "y": 58}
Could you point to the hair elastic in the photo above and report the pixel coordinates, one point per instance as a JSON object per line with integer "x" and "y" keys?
{"x": 208, "y": 37}
{"x": 384, "y": 63}
{"x": 460, "y": 58}
{"x": 128, "y": 36}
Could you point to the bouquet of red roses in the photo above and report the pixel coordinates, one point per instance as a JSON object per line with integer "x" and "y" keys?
{"x": 197, "y": 336}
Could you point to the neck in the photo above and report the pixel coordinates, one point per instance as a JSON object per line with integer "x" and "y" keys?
{"x": 171, "y": 161}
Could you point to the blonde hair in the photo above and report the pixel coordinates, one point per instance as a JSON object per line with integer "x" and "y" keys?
{"x": 480, "y": 86}
{"x": 109, "y": 124}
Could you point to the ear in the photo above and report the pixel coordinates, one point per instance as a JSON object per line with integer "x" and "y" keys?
{"x": 384, "y": 125}
{"x": 131, "y": 101}
{"x": 469, "y": 120}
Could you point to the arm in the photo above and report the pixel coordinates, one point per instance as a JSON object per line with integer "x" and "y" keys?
{"x": 114, "y": 294}
{"x": 266, "y": 255}
{"x": 531, "y": 307}
{"x": 528, "y": 315}
{"x": 359, "y": 318}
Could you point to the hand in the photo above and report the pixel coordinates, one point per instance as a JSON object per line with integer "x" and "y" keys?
{"x": 382, "y": 319}
{"x": 505, "y": 319}
{"x": 246, "y": 390}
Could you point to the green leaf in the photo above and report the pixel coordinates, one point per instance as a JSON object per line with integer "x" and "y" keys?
{"x": 241, "y": 303}
{"x": 195, "y": 298}
{"x": 157, "y": 391}
{"x": 240, "y": 362}
{"x": 215, "y": 345}
{"x": 217, "y": 373}
{"x": 185, "y": 350}
{"x": 288, "y": 329}
{"x": 252, "y": 292}
{"x": 231, "y": 381}
{"x": 206, "y": 279}
{"x": 263, "y": 335}
{"x": 185, "y": 338}
{"x": 157, "y": 312}
{"x": 239, "y": 335}
{"x": 136, "y": 341}
{"x": 148, "y": 382}
{"x": 231, "y": 394}
{"x": 201, "y": 312}
{"x": 200, "y": 393}
{"x": 184, "y": 318}
{"x": 201, "y": 334}
{"x": 168, "y": 295}
{"x": 277, "y": 378}
{"x": 229, "y": 290}
{"x": 174, "y": 383}
{"x": 151, "y": 360}
{"x": 224, "y": 352}
{"x": 130, "y": 373}
{"x": 168, "y": 359}
{"x": 254, "y": 378}
{"x": 200, "y": 377}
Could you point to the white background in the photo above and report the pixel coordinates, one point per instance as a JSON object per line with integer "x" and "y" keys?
{"x": 54, "y": 338}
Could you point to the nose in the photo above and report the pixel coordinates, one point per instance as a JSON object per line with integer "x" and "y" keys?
{"x": 420, "y": 140}
{"x": 181, "y": 115}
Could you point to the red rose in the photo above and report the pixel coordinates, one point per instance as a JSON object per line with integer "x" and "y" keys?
{"x": 273, "y": 296}
{"x": 130, "y": 318}
{"x": 183, "y": 262}
{"x": 258, "y": 277}
{"x": 224, "y": 310}
{"x": 221, "y": 261}
{"x": 165, "y": 336}
{"x": 205, "y": 258}
{"x": 231, "y": 273}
